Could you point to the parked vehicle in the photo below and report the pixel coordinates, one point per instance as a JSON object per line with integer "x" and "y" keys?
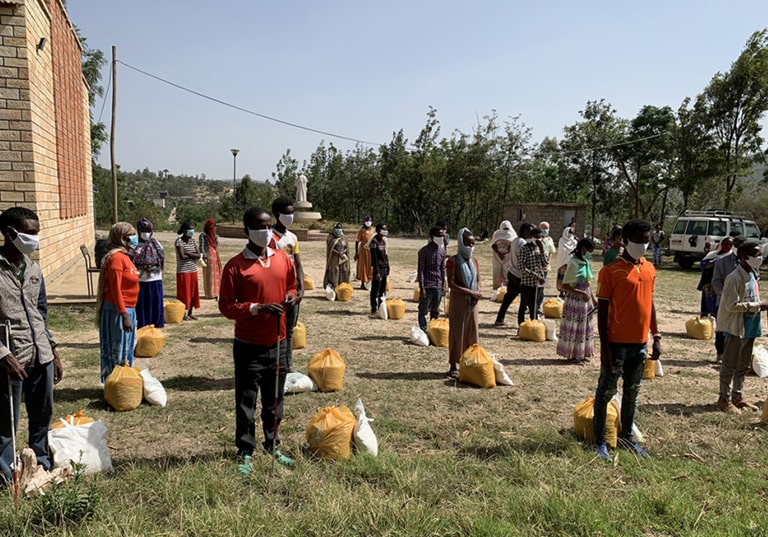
{"x": 698, "y": 232}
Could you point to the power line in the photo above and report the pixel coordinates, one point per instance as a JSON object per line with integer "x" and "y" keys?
{"x": 106, "y": 94}
{"x": 626, "y": 142}
{"x": 241, "y": 109}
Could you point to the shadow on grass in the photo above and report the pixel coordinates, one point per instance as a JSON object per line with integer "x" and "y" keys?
{"x": 381, "y": 338}
{"x": 169, "y": 462}
{"x": 216, "y": 340}
{"x": 677, "y": 409}
{"x": 76, "y": 394}
{"x": 198, "y": 384}
{"x": 79, "y": 345}
{"x": 402, "y": 375}
{"x": 345, "y": 313}
{"x": 688, "y": 363}
{"x": 536, "y": 361}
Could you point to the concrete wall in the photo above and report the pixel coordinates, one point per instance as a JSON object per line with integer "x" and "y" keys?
{"x": 45, "y": 155}
{"x": 557, "y": 214}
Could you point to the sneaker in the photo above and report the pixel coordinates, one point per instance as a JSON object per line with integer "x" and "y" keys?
{"x": 246, "y": 467}
{"x": 453, "y": 374}
{"x": 601, "y": 450}
{"x": 282, "y": 459}
{"x": 727, "y": 407}
{"x": 630, "y": 445}
{"x": 741, "y": 403}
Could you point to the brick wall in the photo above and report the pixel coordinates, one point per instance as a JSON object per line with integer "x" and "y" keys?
{"x": 45, "y": 161}
{"x": 557, "y": 214}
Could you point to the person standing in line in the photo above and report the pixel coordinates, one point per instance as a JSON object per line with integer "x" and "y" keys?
{"x": 464, "y": 282}
{"x": 287, "y": 241}
{"x": 362, "y": 253}
{"x": 380, "y": 267}
{"x": 657, "y": 242}
{"x": 257, "y": 286}
{"x": 614, "y": 249}
{"x": 31, "y": 365}
{"x": 565, "y": 247}
{"x": 709, "y": 297}
{"x": 625, "y": 315}
{"x": 337, "y": 265}
{"x": 209, "y": 250}
{"x": 514, "y": 274}
{"x": 442, "y": 225}
{"x": 117, "y": 295}
{"x": 430, "y": 272}
{"x": 187, "y": 254}
{"x": 739, "y": 319}
{"x": 576, "y": 341}
{"x": 549, "y": 250}
{"x": 149, "y": 258}
{"x": 724, "y": 265}
{"x": 533, "y": 263}
{"x": 501, "y": 245}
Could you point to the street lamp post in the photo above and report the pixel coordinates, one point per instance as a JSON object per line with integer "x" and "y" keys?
{"x": 234, "y": 182}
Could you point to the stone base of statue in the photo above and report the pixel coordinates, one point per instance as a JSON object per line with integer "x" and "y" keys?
{"x": 305, "y": 217}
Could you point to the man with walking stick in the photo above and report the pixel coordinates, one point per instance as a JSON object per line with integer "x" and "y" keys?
{"x": 29, "y": 363}
{"x": 257, "y": 286}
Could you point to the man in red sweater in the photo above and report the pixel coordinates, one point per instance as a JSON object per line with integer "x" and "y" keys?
{"x": 257, "y": 285}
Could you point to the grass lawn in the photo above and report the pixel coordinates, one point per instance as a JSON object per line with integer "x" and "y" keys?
{"x": 453, "y": 459}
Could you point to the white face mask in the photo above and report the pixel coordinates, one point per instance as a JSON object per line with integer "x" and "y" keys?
{"x": 260, "y": 237}
{"x": 384, "y": 232}
{"x": 286, "y": 219}
{"x": 145, "y": 235}
{"x": 367, "y": 223}
{"x": 755, "y": 262}
{"x": 471, "y": 251}
{"x": 25, "y": 243}
{"x": 636, "y": 250}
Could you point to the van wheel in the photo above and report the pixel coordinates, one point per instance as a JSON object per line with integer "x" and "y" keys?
{"x": 685, "y": 262}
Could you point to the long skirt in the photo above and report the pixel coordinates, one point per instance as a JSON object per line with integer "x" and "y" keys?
{"x": 187, "y": 289}
{"x": 150, "y": 308}
{"x": 115, "y": 343}
{"x": 364, "y": 266}
{"x": 576, "y": 339}
{"x": 212, "y": 274}
{"x": 462, "y": 323}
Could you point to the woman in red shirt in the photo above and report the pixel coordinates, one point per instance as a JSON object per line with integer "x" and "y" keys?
{"x": 117, "y": 295}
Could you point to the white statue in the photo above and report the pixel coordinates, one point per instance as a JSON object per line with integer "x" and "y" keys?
{"x": 301, "y": 188}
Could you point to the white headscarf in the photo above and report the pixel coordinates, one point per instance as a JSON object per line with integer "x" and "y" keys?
{"x": 504, "y": 233}
{"x": 565, "y": 247}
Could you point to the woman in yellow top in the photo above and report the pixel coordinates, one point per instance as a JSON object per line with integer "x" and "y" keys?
{"x": 362, "y": 254}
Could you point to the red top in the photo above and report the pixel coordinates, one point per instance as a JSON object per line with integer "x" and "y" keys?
{"x": 122, "y": 287}
{"x": 629, "y": 288}
{"x": 247, "y": 280}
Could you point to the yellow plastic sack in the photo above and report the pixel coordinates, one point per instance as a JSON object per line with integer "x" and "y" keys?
{"x": 501, "y": 294}
{"x": 124, "y": 388}
{"x": 299, "y": 336}
{"x": 699, "y": 328}
{"x": 437, "y": 331}
{"x": 533, "y": 330}
{"x": 309, "y": 283}
{"x": 330, "y": 432}
{"x": 476, "y": 367}
{"x": 344, "y": 292}
{"x": 649, "y": 370}
{"x": 583, "y": 415}
{"x": 552, "y": 308}
{"x": 78, "y": 418}
{"x": 389, "y": 286}
{"x": 327, "y": 369}
{"x": 395, "y": 308}
{"x": 149, "y": 341}
{"x": 174, "y": 311}
{"x": 416, "y": 295}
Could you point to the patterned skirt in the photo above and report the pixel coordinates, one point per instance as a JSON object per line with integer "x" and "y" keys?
{"x": 576, "y": 339}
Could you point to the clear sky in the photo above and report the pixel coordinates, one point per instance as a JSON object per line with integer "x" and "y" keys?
{"x": 368, "y": 69}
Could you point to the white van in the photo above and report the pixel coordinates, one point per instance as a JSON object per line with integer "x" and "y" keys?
{"x": 698, "y": 232}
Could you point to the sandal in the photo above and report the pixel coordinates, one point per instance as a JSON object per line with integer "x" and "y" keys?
{"x": 283, "y": 460}
{"x": 246, "y": 467}
{"x": 453, "y": 374}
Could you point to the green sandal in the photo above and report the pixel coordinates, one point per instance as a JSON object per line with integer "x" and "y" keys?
{"x": 246, "y": 467}
{"x": 283, "y": 460}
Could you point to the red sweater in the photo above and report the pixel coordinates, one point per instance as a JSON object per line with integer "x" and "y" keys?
{"x": 245, "y": 281}
{"x": 122, "y": 287}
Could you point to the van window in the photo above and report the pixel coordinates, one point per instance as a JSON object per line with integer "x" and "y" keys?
{"x": 680, "y": 227}
{"x": 697, "y": 227}
{"x": 752, "y": 231}
{"x": 737, "y": 227}
{"x": 717, "y": 229}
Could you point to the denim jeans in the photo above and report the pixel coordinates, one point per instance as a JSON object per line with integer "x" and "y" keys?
{"x": 430, "y": 302}
{"x": 37, "y": 389}
{"x": 627, "y": 362}
{"x": 254, "y": 371}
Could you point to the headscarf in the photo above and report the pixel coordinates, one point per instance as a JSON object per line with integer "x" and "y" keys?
{"x": 504, "y": 233}
{"x": 565, "y": 247}
{"x": 209, "y": 230}
{"x": 148, "y": 253}
{"x": 467, "y": 267}
{"x": 115, "y": 245}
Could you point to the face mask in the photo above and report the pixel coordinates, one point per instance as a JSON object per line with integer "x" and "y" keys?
{"x": 145, "y": 235}
{"x": 133, "y": 240}
{"x": 636, "y": 250}
{"x": 438, "y": 241}
{"x": 26, "y": 243}
{"x": 587, "y": 256}
{"x": 338, "y": 232}
{"x": 755, "y": 262}
{"x": 367, "y": 223}
{"x": 260, "y": 237}
{"x": 190, "y": 232}
{"x": 471, "y": 251}
{"x": 286, "y": 219}
{"x": 545, "y": 232}
{"x": 384, "y": 232}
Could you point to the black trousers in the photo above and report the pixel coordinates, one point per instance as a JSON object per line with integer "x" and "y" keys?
{"x": 378, "y": 288}
{"x": 513, "y": 289}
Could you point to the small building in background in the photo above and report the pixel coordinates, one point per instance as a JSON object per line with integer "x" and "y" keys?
{"x": 559, "y": 215}
{"x": 45, "y": 144}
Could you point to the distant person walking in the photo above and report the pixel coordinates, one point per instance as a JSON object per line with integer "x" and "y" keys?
{"x": 187, "y": 254}
{"x": 362, "y": 253}
{"x": 515, "y": 273}
{"x": 501, "y": 246}
{"x": 614, "y": 248}
{"x": 724, "y": 265}
{"x": 464, "y": 283}
{"x": 149, "y": 258}
{"x": 533, "y": 263}
{"x": 209, "y": 250}
{"x": 657, "y": 243}
{"x": 379, "y": 266}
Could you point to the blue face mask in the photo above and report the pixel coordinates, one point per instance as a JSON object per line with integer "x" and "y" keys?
{"x": 545, "y": 232}
{"x": 338, "y": 232}
{"x": 587, "y": 256}
{"x": 190, "y": 232}
{"x": 133, "y": 240}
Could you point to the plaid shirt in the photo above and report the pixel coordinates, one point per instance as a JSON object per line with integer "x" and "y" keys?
{"x": 431, "y": 267}
{"x": 532, "y": 264}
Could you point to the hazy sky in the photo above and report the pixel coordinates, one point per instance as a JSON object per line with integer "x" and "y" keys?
{"x": 365, "y": 70}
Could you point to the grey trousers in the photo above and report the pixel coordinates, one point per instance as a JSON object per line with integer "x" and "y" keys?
{"x": 737, "y": 357}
